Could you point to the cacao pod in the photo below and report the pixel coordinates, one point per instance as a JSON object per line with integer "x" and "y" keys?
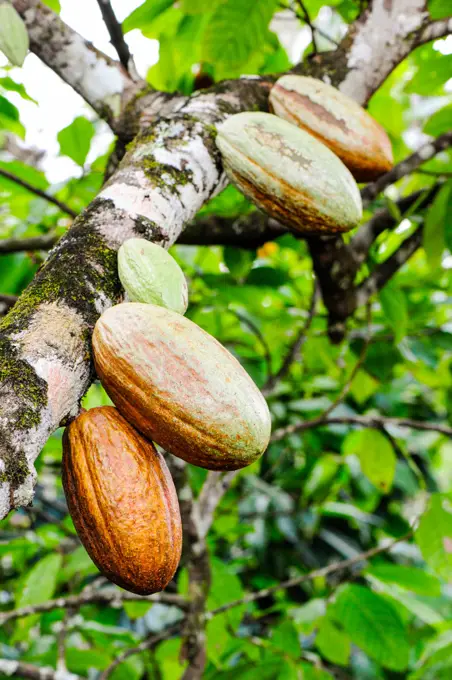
{"x": 13, "y": 34}
{"x": 338, "y": 121}
{"x": 149, "y": 274}
{"x": 288, "y": 173}
{"x": 180, "y": 387}
{"x": 122, "y": 501}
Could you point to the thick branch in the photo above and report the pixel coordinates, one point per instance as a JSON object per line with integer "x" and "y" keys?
{"x": 100, "y": 80}
{"x": 434, "y": 30}
{"x": 247, "y": 231}
{"x": 407, "y": 166}
{"x": 38, "y": 192}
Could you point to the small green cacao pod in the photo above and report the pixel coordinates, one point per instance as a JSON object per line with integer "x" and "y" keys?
{"x": 289, "y": 174}
{"x": 13, "y": 35}
{"x": 338, "y": 121}
{"x": 149, "y": 274}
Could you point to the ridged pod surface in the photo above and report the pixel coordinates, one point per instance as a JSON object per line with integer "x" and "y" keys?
{"x": 338, "y": 121}
{"x": 149, "y": 274}
{"x": 122, "y": 501}
{"x": 289, "y": 174}
{"x": 180, "y": 387}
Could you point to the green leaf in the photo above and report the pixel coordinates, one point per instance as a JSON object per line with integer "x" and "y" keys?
{"x": 235, "y": 30}
{"x": 393, "y": 302}
{"x": 374, "y": 625}
{"x": 143, "y": 15}
{"x": 38, "y": 586}
{"x": 75, "y": 139}
{"x": 332, "y": 643}
{"x": 439, "y": 9}
{"x": 434, "y": 237}
{"x": 433, "y": 72}
{"x": 376, "y": 455}
{"x": 320, "y": 478}
{"x": 410, "y": 578}
{"x": 285, "y": 637}
{"x": 135, "y": 610}
{"x": 13, "y": 34}
{"x": 198, "y": 6}
{"x": 7, "y": 109}
{"x": 53, "y": 4}
{"x": 238, "y": 261}
{"x": 440, "y": 122}
{"x": 9, "y": 84}
{"x": 434, "y": 535}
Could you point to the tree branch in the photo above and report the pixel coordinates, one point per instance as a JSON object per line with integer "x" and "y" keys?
{"x": 101, "y": 81}
{"x": 27, "y": 670}
{"x": 407, "y": 166}
{"x": 115, "y": 31}
{"x": 109, "y": 597}
{"x": 434, "y": 30}
{"x": 18, "y": 245}
{"x": 317, "y": 573}
{"x": 383, "y": 219}
{"x": 363, "y": 421}
{"x": 386, "y": 270}
{"x": 42, "y": 194}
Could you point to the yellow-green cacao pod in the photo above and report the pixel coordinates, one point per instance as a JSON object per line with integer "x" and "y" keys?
{"x": 149, "y": 274}
{"x": 289, "y": 174}
{"x": 13, "y": 35}
{"x": 338, "y": 121}
{"x": 180, "y": 387}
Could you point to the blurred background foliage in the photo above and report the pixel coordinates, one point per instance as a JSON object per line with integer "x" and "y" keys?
{"x": 317, "y": 496}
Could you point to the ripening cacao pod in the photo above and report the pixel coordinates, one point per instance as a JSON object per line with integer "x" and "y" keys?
{"x": 149, "y": 274}
{"x": 13, "y": 34}
{"x": 180, "y": 387}
{"x": 338, "y": 121}
{"x": 122, "y": 501}
{"x": 289, "y": 174}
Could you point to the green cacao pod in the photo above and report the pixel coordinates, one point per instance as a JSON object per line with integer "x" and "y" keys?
{"x": 180, "y": 387}
{"x": 338, "y": 121}
{"x": 13, "y": 34}
{"x": 149, "y": 274}
{"x": 289, "y": 174}
{"x": 122, "y": 501}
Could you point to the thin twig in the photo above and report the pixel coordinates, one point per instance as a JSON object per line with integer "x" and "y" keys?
{"x": 142, "y": 647}
{"x": 307, "y": 19}
{"x": 18, "y": 245}
{"x": 115, "y": 31}
{"x": 38, "y": 192}
{"x": 422, "y": 155}
{"x": 258, "y": 333}
{"x": 317, "y": 573}
{"x": 363, "y": 421}
{"x": 22, "y": 669}
{"x": 294, "y": 349}
{"x": 113, "y": 598}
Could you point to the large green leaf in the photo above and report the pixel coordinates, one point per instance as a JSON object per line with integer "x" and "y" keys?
{"x": 75, "y": 139}
{"x": 434, "y": 535}
{"x": 236, "y": 29}
{"x": 145, "y": 14}
{"x": 410, "y": 578}
{"x": 376, "y": 455}
{"x": 374, "y": 625}
{"x": 394, "y": 306}
{"x": 332, "y": 642}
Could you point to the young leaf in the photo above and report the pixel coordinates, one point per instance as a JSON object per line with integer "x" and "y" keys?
{"x": 145, "y": 14}
{"x": 75, "y": 139}
{"x": 393, "y": 302}
{"x": 374, "y": 625}
{"x": 434, "y": 535}
{"x": 376, "y": 455}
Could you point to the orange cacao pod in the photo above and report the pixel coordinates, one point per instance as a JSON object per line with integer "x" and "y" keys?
{"x": 122, "y": 501}
{"x": 180, "y": 387}
{"x": 338, "y": 121}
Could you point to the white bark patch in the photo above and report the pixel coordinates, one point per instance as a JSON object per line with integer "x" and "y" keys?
{"x": 380, "y": 43}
